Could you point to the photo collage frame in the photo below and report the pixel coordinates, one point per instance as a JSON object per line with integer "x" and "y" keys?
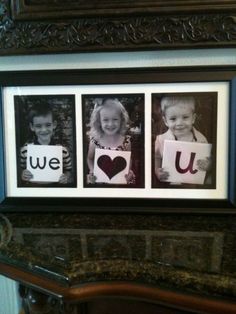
{"x": 73, "y": 107}
{"x": 149, "y": 136}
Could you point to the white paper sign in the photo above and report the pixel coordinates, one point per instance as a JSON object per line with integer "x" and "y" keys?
{"x": 44, "y": 162}
{"x": 111, "y": 166}
{"x": 180, "y": 160}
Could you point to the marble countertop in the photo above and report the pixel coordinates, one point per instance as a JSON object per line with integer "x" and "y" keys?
{"x": 193, "y": 253}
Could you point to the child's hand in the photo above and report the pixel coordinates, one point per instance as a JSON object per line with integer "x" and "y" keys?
{"x": 204, "y": 164}
{"x": 130, "y": 177}
{"x": 26, "y": 175}
{"x": 65, "y": 178}
{"x": 91, "y": 178}
{"x": 162, "y": 174}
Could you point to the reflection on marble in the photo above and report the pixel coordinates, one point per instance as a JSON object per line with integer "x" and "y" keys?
{"x": 188, "y": 252}
{"x": 192, "y": 250}
{"x": 5, "y": 230}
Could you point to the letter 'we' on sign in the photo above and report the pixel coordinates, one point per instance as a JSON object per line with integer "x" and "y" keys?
{"x": 44, "y": 162}
{"x": 180, "y": 160}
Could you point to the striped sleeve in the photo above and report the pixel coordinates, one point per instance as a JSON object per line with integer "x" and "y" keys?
{"x": 23, "y": 156}
{"x": 67, "y": 163}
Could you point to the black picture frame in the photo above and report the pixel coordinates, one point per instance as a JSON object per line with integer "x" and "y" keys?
{"x": 128, "y": 76}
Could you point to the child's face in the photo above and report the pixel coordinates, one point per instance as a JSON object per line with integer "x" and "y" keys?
{"x": 180, "y": 119}
{"x": 43, "y": 127}
{"x": 110, "y": 121}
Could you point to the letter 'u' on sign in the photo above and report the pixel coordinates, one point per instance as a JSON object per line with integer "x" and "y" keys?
{"x": 44, "y": 162}
{"x": 180, "y": 161}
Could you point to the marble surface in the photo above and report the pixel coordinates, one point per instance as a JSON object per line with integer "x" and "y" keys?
{"x": 192, "y": 252}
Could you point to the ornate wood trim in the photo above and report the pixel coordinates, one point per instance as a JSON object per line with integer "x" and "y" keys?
{"x": 28, "y": 29}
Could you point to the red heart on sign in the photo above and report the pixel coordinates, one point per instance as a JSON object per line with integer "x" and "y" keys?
{"x": 111, "y": 167}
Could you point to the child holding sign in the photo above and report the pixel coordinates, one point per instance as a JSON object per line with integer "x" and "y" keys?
{"x": 43, "y": 124}
{"x": 178, "y": 113}
{"x": 108, "y": 127}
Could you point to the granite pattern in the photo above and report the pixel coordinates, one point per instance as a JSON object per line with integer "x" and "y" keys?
{"x": 192, "y": 252}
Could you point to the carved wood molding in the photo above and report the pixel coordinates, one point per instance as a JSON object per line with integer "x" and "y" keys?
{"x": 115, "y": 33}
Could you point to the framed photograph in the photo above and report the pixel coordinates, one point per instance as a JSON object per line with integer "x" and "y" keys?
{"x": 106, "y": 164}
{"x": 176, "y": 151}
{"x": 124, "y": 140}
{"x": 45, "y": 140}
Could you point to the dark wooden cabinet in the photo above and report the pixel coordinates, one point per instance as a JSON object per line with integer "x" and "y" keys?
{"x": 118, "y": 306}
{"x": 40, "y": 304}
{"x": 117, "y": 298}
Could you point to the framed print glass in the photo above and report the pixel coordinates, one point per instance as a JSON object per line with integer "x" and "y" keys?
{"x": 184, "y": 130}
{"x": 45, "y": 140}
{"x": 113, "y": 128}
{"x": 139, "y": 140}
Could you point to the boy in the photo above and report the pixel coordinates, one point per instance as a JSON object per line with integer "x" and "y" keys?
{"x": 43, "y": 124}
{"x": 178, "y": 113}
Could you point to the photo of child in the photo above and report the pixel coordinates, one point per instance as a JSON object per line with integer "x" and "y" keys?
{"x": 187, "y": 117}
{"x": 45, "y": 122}
{"x": 113, "y": 125}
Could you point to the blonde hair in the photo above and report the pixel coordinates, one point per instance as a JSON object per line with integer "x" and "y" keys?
{"x": 95, "y": 121}
{"x": 169, "y": 101}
